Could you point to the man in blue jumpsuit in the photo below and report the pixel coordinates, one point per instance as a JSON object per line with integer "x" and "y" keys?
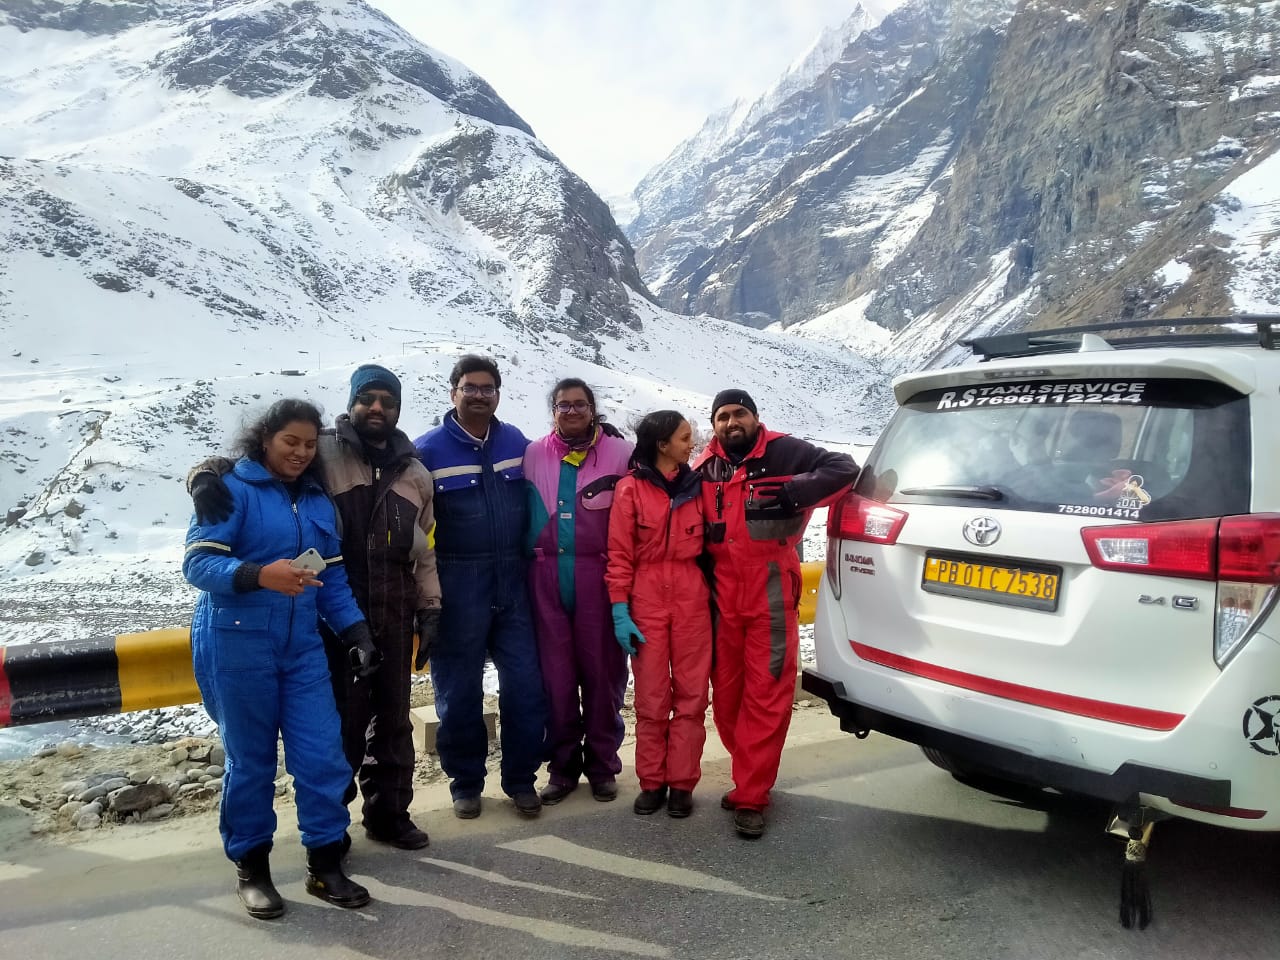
{"x": 481, "y": 511}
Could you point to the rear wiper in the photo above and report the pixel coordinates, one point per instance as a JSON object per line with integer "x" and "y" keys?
{"x": 957, "y": 490}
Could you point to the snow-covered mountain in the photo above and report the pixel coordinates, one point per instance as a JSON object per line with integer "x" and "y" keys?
{"x": 206, "y": 205}
{"x": 690, "y": 202}
{"x": 1037, "y": 163}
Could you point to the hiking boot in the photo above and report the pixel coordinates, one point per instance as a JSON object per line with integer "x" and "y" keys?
{"x": 527, "y": 803}
{"x": 553, "y": 793}
{"x": 650, "y": 801}
{"x": 404, "y": 837}
{"x": 680, "y": 803}
{"x": 254, "y": 886}
{"x": 605, "y": 790}
{"x": 748, "y": 823}
{"x": 726, "y": 803}
{"x": 326, "y": 880}
{"x": 466, "y": 808}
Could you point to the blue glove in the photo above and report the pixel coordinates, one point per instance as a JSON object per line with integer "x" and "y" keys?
{"x": 625, "y": 630}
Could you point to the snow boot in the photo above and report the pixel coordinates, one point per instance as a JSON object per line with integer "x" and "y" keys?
{"x": 254, "y": 886}
{"x": 326, "y": 880}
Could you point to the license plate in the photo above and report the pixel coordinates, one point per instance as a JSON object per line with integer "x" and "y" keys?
{"x": 1020, "y": 585}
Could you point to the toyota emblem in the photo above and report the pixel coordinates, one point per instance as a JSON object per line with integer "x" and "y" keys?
{"x": 982, "y": 531}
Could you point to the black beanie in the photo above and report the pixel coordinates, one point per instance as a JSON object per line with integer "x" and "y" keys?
{"x": 370, "y": 375}
{"x": 733, "y": 395}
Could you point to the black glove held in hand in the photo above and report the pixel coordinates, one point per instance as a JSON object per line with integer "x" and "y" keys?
{"x": 772, "y": 495}
{"x": 211, "y": 498}
{"x": 364, "y": 656}
{"x": 428, "y": 629}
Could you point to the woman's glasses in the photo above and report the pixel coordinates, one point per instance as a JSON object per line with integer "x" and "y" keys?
{"x": 472, "y": 390}
{"x": 578, "y": 406}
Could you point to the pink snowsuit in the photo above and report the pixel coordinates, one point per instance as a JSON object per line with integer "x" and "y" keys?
{"x": 584, "y": 671}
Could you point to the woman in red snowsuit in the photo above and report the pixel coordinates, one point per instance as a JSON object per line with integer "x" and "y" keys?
{"x": 661, "y": 603}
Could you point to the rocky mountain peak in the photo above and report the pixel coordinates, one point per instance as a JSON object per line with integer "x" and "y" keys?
{"x": 309, "y": 117}
{"x": 1062, "y": 162}
{"x": 688, "y": 204}
{"x": 334, "y": 48}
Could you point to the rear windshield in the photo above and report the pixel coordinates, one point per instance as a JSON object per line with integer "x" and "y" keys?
{"x": 1150, "y": 450}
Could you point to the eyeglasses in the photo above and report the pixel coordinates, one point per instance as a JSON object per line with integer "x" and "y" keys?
{"x": 578, "y": 406}
{"x": 369, "y": 399}
{"x": 471, "y": 390}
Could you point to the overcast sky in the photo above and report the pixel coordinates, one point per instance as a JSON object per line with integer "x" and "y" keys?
{"x": 612, "y": 86}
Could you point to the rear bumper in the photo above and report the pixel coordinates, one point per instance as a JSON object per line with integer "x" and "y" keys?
{"x": 1122, "y": 786}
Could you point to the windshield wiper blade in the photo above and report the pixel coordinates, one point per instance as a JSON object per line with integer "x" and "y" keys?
{"x": 958, "y": 490}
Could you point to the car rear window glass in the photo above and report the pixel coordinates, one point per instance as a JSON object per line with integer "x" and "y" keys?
{"x": 1125, "y": 449}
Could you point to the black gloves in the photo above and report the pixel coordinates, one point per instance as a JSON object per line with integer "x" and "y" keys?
{"x": 772, "y": 495}
{"x": 428, "y": 629}
{"x": 211, "y": 498}
{"x": 364, "y": 656}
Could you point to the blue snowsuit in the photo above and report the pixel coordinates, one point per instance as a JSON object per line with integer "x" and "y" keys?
{"x": 260, "y": 662}
{"x": 481, "y": 513}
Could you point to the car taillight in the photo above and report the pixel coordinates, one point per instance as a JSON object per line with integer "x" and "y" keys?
{"x": 1241, "y": 553}
{"x": 1249, "y": 548}
{"x": 857, "y": 518}
{"x": 1182, "y": 548}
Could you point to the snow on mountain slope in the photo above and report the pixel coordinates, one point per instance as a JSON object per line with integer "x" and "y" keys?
{"x": 1040, "y": 163}
{"x": 325, "y": 122}
{"x": 94, "y": 445}
{"x": 666, "y": 192}
{"x": 1249, "y": 214}
{"x": 205, "y": 206}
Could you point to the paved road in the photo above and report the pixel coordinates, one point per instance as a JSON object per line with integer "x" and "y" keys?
{"x": 872, "y": 853}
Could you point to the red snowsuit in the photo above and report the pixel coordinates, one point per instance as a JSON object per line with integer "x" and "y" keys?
{"x": 757, "y": 584}
{"x": 655, "y": 538}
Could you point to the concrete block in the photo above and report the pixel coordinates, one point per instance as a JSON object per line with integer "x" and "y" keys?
{"x": 425, "y": 722}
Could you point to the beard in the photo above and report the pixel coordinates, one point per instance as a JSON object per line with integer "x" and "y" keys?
{"x": 378, "y": 430}
{"x": 739, "y": 445}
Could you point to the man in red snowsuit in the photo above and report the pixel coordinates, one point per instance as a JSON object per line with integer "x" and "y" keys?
{"x": 759, "y": 490}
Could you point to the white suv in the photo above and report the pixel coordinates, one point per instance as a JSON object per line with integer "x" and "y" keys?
{"x": 1059, "y": 566}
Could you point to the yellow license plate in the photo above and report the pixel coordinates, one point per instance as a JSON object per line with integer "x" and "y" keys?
{"x": 1023, "y": 585}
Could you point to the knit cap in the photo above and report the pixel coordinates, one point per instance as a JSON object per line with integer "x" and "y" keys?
{"x": 736, "y": 396}
{"x": 371, "y": 375}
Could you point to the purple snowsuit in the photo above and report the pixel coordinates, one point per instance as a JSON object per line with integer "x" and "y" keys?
{"x": 584, "y": 670}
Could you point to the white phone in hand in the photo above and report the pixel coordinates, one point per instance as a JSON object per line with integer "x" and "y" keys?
{"x": 309, "y": 560}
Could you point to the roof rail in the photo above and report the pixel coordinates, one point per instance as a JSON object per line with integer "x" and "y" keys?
{"x": 1029, "y": 343}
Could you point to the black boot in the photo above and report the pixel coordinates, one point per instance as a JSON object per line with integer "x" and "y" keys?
{"x": 326, "y": 880}
{"x": 255, "y": 889}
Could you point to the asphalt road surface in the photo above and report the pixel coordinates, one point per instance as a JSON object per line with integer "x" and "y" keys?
{"x": 871, "y": 853}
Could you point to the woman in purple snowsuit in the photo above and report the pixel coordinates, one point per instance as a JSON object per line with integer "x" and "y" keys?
{"x": 571, "y": 474}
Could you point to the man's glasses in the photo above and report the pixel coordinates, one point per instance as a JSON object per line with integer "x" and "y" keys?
{"x": 369, "y": 399}
{"x": 471, "y": 390}
{"x": 578, "y": 406}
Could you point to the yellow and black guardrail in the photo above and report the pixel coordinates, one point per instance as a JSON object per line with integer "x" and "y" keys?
{"x": 63, "y": 680}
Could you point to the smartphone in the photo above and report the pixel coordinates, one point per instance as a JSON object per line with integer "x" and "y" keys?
{"x": 310, "y": 560}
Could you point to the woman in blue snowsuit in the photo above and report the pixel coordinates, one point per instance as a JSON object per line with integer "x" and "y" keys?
{"x": 259, "y": 659}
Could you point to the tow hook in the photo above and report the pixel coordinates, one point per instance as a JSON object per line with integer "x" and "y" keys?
{"x": 1134, "y": 824}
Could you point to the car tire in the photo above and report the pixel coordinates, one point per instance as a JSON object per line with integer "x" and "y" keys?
{"x": 982, "y": 778}
{"x": 945, "y": 761}
{"x": 977, "y": 776}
